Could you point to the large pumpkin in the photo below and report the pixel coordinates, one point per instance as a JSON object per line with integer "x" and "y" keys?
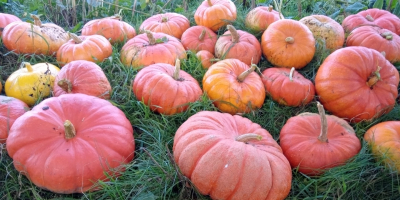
{"x": 230, "y": 157}
{"x": 234, "y": 87}
{"x": 215, "y": 13}
{"x": 173, "y": 24}
{"x": 197, "y": 38}
{"x": 67, "y": 144}
{"x": 6, "y": 19}
{"x": 357, "y": 83}
{"x": 259, "y": 18}
{"x": 10, "y": 109}
{"x": 288, "y": 43}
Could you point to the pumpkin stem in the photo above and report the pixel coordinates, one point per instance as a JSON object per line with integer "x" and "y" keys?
{"x": 235, "y": 35}
{"x": 248, "y": 137}
{"x": 387, "y": 35}
{"x": 69, "y": 130}
{"x": 244, "y": 74}
{"x": 202, "y": 34}
{"x": 152, "y": 40}
{"x": 291, "y": 74}
{"x": 36, "y": 20}
{"x": 374, "y": 78}
{"x": 209, "y": 2}
{"x": 177, "y": 69}
{"x": 270, "y": 8}
{"x": 74, "y": 37}
{"x": 164, "y": 19}
{"x": 289, "y": 40}
{"x": 117, "y": 17}
{"x": 323, "y": 137}
{"x": 26, "y": 65}
{"x": 65, "y": 84}
{"x": 369, "y": 18}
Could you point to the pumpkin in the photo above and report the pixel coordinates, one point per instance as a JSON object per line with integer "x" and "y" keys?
{"x": 10, "y": 109}
{"x": 215, "y": 14}
{"x": 206, "y": 58}
{"x": 238, "y": 44}
{"x": 227, "y": 156}
{"x": 234, "y": 87}
{"x": 288, "y": 43}
{"x": 31, "y": 83}
{"x": 173, "y": 24}
{"x": 259, "y": 18}
{"x": 6, "y": 19}
{"x": 357, "y": 83}
{"x": 166, "y": 89}
{"x": 66, "y": 144}
{"x": 287, "y": 86}
{"x": 372, "y": 17}
{"x": 112, "y": 28}
{"x": 197, "y": 38}
{"x": 325, "y": 29}
{"x": 382, "y": 40}
{"x": 37, "y": 38}
{"x": 82, "y": 76}
{"x": 95, "y": 48}
{"x": 150, "y": 48}
{"x": 314, "y": 142}
{"x": 383, "y": 138}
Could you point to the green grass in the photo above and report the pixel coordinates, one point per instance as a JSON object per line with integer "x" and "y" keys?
{"x": 153, "y": 174}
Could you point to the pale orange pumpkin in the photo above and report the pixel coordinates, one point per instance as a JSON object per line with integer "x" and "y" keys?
{"x": 173, "y": 24}
{"x": 215, "y": 14}
{"x": 197, "y": 38}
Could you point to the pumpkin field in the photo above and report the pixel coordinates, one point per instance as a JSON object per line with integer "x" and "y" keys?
{"x": 199, "y": 99}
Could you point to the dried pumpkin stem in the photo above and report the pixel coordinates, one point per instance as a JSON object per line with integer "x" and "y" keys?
{"x": 374, "y": 78}
{"x": 36, "y": 20}
{"x": 202, "y": 34}
{"x": 291, "y": 74}
{"x": 74, "y": 37}
{"x": 369, "y": 18}
{"x": 289, "y": 40}
{"x": 270, "y": 8}
{"x": 26, "y": 65}
{"x": 323, "y": 137}
{"x": 164, "y": 19}
{"x": 387, "y": 35}
{"x": 117, "y": 17}
{"x": 65, "y": 84}
{"x": 69, "y": 130}
{"x": 152, "y": 40}
{"x": 234, "y": 34}
{"x": 177, "y": 69}
{"x": 248, "y": 137}
{"x": 209, "y": 2}
{"x": 244, "y": 74}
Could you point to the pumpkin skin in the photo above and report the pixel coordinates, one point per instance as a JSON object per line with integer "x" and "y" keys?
{"x": 205, "y": 58}
{"x": 197, "y": 38}
{"x": 326, "y": 29}
{"x": 31, "y": 83}
{"x": 43, "y": 148}
{"x": 10, "y": 109}
{"x": 288, "y": 43}
{"x": 6, "y": 19}
{"x": 173, "y": 24}
{"x": 214, "y": 14}
{"x": 305, "y": 147}
{"x": 82, "y": 76}
{"x": 259, "y": 18}
{"x": 208, "y": 151}
{"x": 382, "y": 40}
{"x": 383, "y": 139}
{"x": 155, "y": 84}
{"x": 372, "y": 17}
{"x": 150, "y": 48}
{"x": 288, "y": 87}
{"x": 95, "y": 48}
{"x": 112, "y": 28}
{"x": 357, "y": 83}
{"x": 229, "y": 94}
{"x": 19, "y": 37}
{"x": 238, "y": 44}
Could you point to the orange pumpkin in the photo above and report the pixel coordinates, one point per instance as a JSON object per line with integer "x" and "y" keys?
{"x": 197, "y": 38}
{"x": 6, "y": 19}
{"x": 10, "y": 109}
{"x": 205, "y": 57}
{"x": 173, "y": 24}
{"x": 215, "y": 14}
{"x": 238, "y": 44}
{"x": 288, "y": 43}
{"x": 234, "y": 87}
{"x": 259, "y": 18}
{"x": 227, "y": 156}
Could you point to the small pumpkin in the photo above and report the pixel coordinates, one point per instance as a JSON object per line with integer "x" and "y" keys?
{"x": 259, "y": 18}
{"x": 166, "y": 89}
{"x": 287, "y": 86}
{"x": 197, "y": 38}
{"x": 226, "y": 156}
{"x": 215, "y": 14}
{"x": 173, "y": 24}
{"x": 10, "y": 109}
{"x": 67, "y": 144}
{"x": 234, "y": 87}
{"x": 288, "y": 43}
{"x": 95, "y": 48}
{"x": 206, "y": 58}
{"x": 317, "y": 142}
{"x": 82, "y": 76}
{"x": 6, "y": 19}
{"x": 31, "y": 83}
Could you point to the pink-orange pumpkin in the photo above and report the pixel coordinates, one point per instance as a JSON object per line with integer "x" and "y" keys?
{"x": 173, "y": 24}
{"x": 215, "y": 14}
{"x": 6, "y": 19}
{"x": 197, "y": 38}
{"x": 10, "y": 109}
{"x": 206, "y": 58}
{"x": 259, "y": 18}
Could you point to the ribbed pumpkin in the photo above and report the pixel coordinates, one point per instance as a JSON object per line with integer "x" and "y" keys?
{"x": 288, "y": 43}
{"x": 238, "y": 44}
{"x": 37, "y": 38}
{"x": 166, "y": 89}
{"x": 6, "y": 19}
{"x": 234, "y": 87}
{"x": 215, "y": 14}
{"x": 259, "y": 18}
{"x": 382, "y": 40}
{"x": 112, "y": 28}
{"x": 357, "y": 83}
{"x": 10, "y": 109}
{"x": 67, "y": 144}
{"x": 82, "y": 76}
{"x": 197, "y": 38}
{"x": 150, "y": 48}
{"x": 173, "y": 24}
{"x": 205, "y": 58}
{"x": 93, "y": 48}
